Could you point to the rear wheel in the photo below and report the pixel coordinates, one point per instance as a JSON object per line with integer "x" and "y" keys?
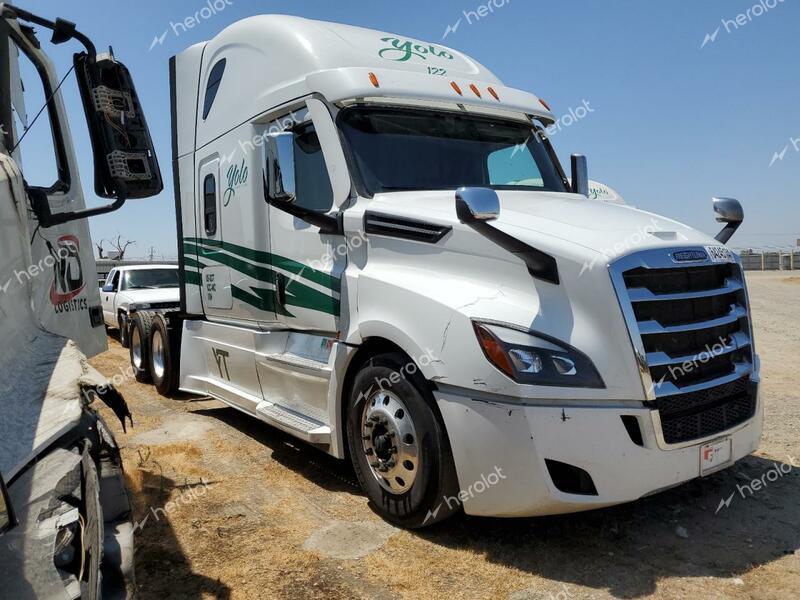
{"x": 398, "y": 445}
{"x": 124, "y": 333}
{"x": 163, "y": 363}
{"x": 140, "y": 346}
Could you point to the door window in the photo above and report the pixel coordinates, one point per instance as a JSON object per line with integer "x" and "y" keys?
{"x": 210, "y": 204}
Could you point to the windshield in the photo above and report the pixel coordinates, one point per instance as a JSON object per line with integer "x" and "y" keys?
{"x": 151, "y": 279}
{"x": 411, "y": 149}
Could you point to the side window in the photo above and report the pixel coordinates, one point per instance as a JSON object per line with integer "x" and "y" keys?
{"x": 210, "y": 204}
{"x": 212, "y": 87}
{"x": 115, "y": 281}
{"x": 39, "y": 150}
{"x": 514, "y": 165}
{"x": 314, "y": 190}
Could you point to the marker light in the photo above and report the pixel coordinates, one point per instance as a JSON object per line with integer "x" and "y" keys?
{"x": 543, "y": 103}
{"x": 493, "y": 350}
{"x": 456, "y": 87}
{"x": 374, "y": 80}
{"x": 475, "y": 89}
{"x": 494, "y": 94}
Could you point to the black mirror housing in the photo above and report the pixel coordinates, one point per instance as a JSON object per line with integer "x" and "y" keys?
{"x": 125, "y": 163}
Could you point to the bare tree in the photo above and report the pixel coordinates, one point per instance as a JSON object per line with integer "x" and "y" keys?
{"x": 100, "y": 249}
{"x": 121, "y": 247}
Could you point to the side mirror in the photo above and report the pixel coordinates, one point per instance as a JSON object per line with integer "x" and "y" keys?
{"x": 730, "y": 212}
{"x": 108, "y": 288}
{"x": 6, "y": 512}
{"x": 125, "y": 164}
{"x": 477, "y": 204}
{"x": 281, "y": 185}
{"x": 580, "y": 175}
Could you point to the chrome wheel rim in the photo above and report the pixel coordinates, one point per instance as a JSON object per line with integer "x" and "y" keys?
{"x": 389, "y": 441}
{"x": 136, "y": 349}
{"x": 158, "y": 354}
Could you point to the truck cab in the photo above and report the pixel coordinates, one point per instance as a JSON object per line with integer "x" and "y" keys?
{"x": 66, "y": 527}
{"x": 382, "y": 255}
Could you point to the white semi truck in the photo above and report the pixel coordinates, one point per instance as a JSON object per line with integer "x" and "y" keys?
{"x": 65, "y": 521}
{"x": 382, "y": 255}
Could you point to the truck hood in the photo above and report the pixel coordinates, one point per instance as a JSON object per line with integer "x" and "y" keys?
{"x": 608, "y": 229}
{"x": 151, "y": 296}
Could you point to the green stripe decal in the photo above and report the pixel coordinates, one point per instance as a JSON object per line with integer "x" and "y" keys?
{"x": 267, "y": 258}
{"x": 296, "y": 292}
{"x": 190, "y": 262}
{"x": 191, "y": 277}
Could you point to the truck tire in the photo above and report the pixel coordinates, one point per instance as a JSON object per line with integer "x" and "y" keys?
{"x": 163, "y": 357}
{"x": 398, "y": 445}
{"x": 124, "y": 330}
{"x": 140, "y": 346}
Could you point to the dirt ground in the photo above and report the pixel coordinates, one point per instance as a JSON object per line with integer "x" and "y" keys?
{"x": 231, "y": 508}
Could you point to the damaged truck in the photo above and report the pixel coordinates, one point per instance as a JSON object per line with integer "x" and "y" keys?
{"x": 382, "y": 255}
{"x": 65, "y": 520}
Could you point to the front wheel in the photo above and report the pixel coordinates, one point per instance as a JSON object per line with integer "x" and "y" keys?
{"x": 398, "y": 444}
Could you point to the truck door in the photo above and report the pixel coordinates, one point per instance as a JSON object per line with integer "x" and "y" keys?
{"x": 308, "y": 264}
{"x": 108, "y": 296}
{"x": 215, "y": 280}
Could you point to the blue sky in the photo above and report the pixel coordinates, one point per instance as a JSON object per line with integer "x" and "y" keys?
{"x": 671, "y": 124}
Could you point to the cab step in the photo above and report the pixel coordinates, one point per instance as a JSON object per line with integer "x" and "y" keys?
{"x": 304, "y": 427}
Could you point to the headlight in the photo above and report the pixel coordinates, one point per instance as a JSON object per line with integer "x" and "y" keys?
{"x": 141, "y": 306}
{"x": 535, "y": 359}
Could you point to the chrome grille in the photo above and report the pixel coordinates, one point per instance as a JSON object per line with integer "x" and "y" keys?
{"x": 690, "y": 327}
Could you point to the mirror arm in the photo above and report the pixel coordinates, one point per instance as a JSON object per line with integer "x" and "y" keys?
{"x": 41, "y": 208}
{"x": 328, "y": 224}
{"x": 727, "y": 232}
{"x": 62, "y": 29}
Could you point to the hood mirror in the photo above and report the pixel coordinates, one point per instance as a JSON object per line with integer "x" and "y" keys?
{"x": 730, "y": 212}
{"x": 477, "y": 204}
{"x": 580, "y": 175}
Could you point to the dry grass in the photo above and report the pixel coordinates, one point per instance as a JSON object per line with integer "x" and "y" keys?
{"x": 267, "y": 494}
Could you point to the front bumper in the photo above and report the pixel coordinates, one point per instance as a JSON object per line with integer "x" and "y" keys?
{"x": 513, "y": 440}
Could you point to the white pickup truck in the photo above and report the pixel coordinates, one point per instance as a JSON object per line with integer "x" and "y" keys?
{"x": 138, "y": 286}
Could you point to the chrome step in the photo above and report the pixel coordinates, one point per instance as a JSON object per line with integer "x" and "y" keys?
{"x": 304, "y": 427}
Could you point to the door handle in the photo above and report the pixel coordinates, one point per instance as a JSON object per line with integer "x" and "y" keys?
{"x": 280, "y": 289}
